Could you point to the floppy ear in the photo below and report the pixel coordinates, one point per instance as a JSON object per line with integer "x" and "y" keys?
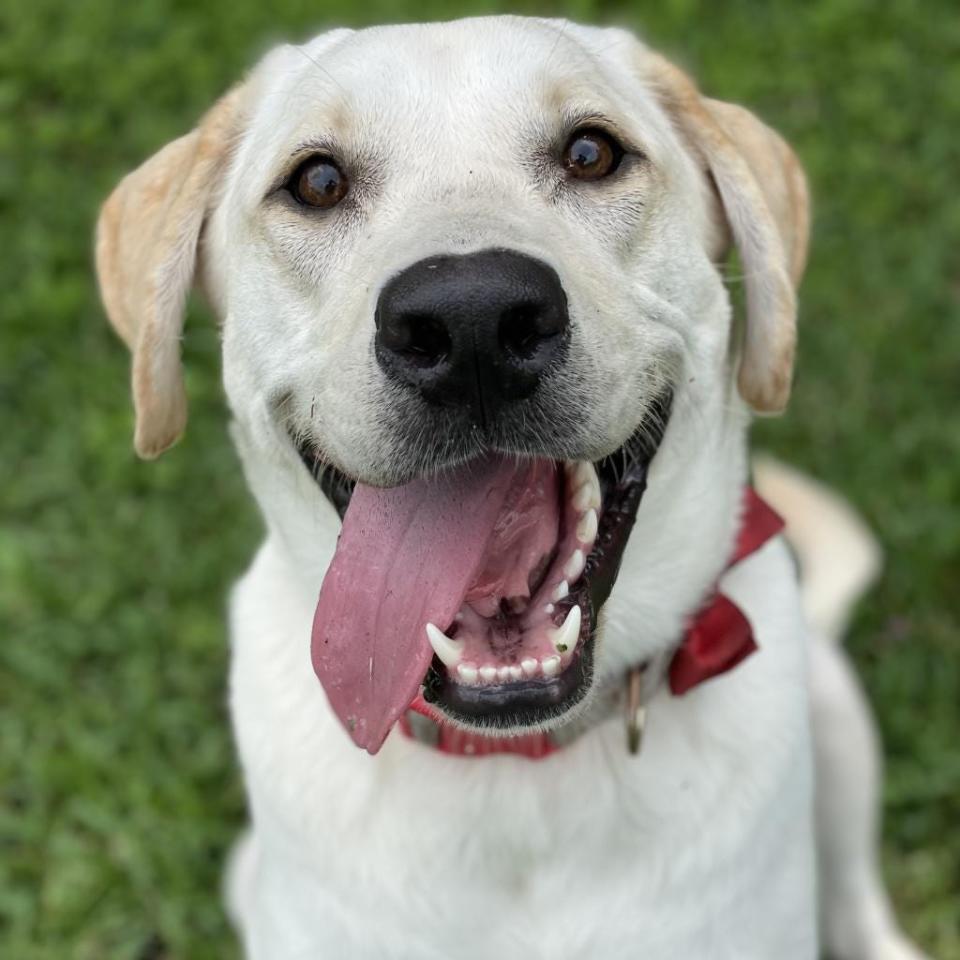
{"x": 763, "y": 194}
{"x": 146, "y": 254}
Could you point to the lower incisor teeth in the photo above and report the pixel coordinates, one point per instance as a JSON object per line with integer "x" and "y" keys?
{"x": 529, "y": 666}
{"x": 551, "y": 666}
{"x": 488, "y": 673}
{"x": 467, "y": 673}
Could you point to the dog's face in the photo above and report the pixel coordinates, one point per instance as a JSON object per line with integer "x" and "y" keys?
{"x": 474, "y": 263}
{"x": 444, "y": 154}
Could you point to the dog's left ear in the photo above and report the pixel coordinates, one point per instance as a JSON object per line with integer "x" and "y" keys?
{"x": 147, "y": 240}
{"x": 763, "y": 193}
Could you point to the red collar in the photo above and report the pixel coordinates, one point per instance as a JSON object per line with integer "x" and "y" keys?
{"x": 718, "y": 637}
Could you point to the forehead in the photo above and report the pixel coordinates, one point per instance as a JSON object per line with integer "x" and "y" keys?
{"x": 451, "y": 79}
{"x": 455, "y": 65}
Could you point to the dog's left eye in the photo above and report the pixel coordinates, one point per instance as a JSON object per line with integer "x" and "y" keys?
{"x": 318, "y": 182}
{"x": 591, "y": 155}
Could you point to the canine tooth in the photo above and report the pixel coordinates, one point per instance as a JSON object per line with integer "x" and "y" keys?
{"x": 467, "y": 673}
{"x": 582, "y": 471}
{"x": 574, "y": 566}
{"x": 503, "y": 674}
{"x": 488, "y": 673}
{"x": 516, "y": 673}
{"x": 562, "y": 589}
{"x": 587, "y": 527}
{"x": 551, "y": 666}
{"x": 587, "y": 495}
{"x": 529, "y": 666}
{"x": 449, "y": 651}
{"x": 565, "y": 637}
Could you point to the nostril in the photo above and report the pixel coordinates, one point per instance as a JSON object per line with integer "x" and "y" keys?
{"x": 524, "y": 326}
{"x": 422, "y": 339}
{"x": 429, "y": 340}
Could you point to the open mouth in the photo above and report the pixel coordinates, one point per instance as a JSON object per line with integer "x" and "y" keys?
{"x": 480, "y": 590}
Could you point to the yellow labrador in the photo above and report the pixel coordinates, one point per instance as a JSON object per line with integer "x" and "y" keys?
{"x": 472, "y": 308}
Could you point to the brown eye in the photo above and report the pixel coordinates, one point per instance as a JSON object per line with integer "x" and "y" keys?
{"x": 592, "y": 155}
{"x": 319, "y": 182}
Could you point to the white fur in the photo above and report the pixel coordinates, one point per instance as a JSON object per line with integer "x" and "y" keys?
{"x": 702, "y": 846}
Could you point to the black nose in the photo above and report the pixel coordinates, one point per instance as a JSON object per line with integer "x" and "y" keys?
{"x": 475, "y": 331}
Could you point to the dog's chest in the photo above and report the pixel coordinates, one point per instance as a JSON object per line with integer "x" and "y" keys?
{"x": 494, "y": 870}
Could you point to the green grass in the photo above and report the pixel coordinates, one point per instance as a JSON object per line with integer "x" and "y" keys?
{"x": 119, "y": 792}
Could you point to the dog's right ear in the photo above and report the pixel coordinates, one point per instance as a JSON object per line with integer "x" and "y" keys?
{"x": 146, "y": 255}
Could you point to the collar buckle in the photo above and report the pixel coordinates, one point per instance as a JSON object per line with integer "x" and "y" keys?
{"x": 636, "y": 710}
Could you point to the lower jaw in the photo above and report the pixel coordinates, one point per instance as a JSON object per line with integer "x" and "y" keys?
{"x": 513, "y": 706}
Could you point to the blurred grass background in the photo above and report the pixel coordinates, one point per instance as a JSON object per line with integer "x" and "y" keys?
{"x": 119, "y": 792}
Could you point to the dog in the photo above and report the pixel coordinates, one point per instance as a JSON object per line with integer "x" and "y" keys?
{"x": 568, "y": 698}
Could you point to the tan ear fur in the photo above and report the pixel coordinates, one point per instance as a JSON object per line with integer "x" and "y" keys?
{"x": 763, "y": 193}
{"x": 779, "y": 174}
{"x": 146, "y": 256}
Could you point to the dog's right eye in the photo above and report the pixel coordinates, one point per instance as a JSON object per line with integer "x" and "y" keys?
{"x": 318, "y": 182}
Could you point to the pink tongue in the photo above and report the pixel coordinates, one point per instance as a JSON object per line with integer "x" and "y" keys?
{"x": 406, "y": 556}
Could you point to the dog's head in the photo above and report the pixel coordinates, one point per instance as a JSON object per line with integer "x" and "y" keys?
{"x": 469, "y": 278}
